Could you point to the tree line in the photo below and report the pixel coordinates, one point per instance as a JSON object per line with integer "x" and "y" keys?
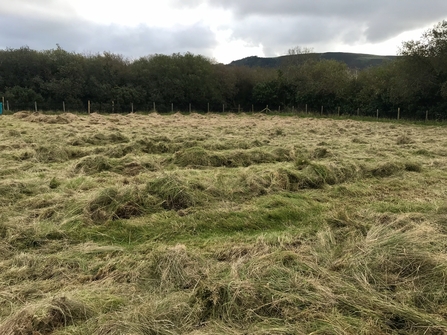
{"x": 414, "y": 82}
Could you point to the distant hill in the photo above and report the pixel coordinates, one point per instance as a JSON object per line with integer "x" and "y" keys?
{"x": 353, "y": 60}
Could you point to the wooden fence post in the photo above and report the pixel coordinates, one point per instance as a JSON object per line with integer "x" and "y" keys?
{"x": 377, "y": 113}
{"x": 189, "y": 108}
{"x": 321, "y": 113}
{"x": 238, "y": 108}
{"x": 88, "y": 107}
{"x": 306, "y": 108}
{"x": 338, "y": 112}
{"x": 63, "y": 106}
{"x": 113, "y": 106}
{"x": 172, "y": 107}
{"x": 398, "y": 113}
{"x": 252, "y": 108}
{"x": 131, "y": 106}
{"x": 426, "y": 115}
{"x": 358, "y": 111}
{"x": 35, "y": 106}
{"x": 153, "y": 107}
{"x": 208, "y": 107}
{"x": 7, "y": 105}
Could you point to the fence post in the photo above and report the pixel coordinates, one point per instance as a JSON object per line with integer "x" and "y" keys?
{"x": 223, "y": 108}
{"x": 113, "y": 106}
{"x": 293, "y": 109}
{"x": 88, "y": 107}
{"x": 172, "y": 107}
{"x": 321, "y": 113}
{"x": 306, "y": 108}
{"x": 3, "y": 101}
{"x": 63, "y": 106}
{"x": 358, "y": 111}
{"x": 252, "y": 108}
{"x": 131, "y": 106}
{"x": 7, "y": 105}
{"x": 190, "y": 108}
{"x": 35, "y": 106}
{"x": 208, "y": 107}
{"x": 153, "y": 107}
{"x": 338, "y": 112}
{"x": 238, "y": 108}
{"x": 426, "y": 115}
{"x": 398, "y": 113}
{"x": 377, "y": 113}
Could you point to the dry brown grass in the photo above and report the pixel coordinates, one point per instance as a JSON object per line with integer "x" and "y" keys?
{"x": 221, "y": 224}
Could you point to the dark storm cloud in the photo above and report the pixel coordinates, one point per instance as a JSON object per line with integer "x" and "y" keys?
{"x": 384, "y": 18}
{"x": 79, "y": 35}
{"x": 277, "y": 24}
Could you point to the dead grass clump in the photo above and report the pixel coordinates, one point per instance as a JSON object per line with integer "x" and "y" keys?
{"x": 406, "y": 264}
{"x": 272, "y": 292}
{"x": 314, "y": 175}
{"x": 70, "y": 117}
{"x": 167, "y": 315}
{"x": 50, "y": 119}
{"x": 12, "y": 191}
{"x": 413, "y": 166}
{"x": 51, "y": 154}
{"x": 22, "y": 114}
{"x": 386, "y": 169}
{"x": 6, "y": 250}
{"x": 197, "y": 156}
{"x": 114, "y": 204}
{"x": 117, "y": 137}
{"x": 319, "y": 153}
{"x": 103, "y": 139}
{"x": 14, "y": 133}
{"x": 133, "y": 168}
{"x": 46, "y": 317}
{"x": 236, "y": 301}
{"x": 174, "y": 193}
{"x": 93, "y": 164}
{"x": 118, "y": 151}
{"x": 151, "y": 146}
{"x": 404, "y": 139}
{"x": 176, "y": 268}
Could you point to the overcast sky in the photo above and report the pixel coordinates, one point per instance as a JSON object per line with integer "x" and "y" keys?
{"x": 225, "y": 30}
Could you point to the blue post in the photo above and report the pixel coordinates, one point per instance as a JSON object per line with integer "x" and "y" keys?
{"x": 1, "y": 108}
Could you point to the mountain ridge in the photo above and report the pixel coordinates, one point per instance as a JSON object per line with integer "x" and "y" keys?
{"x": 352, "y": 60}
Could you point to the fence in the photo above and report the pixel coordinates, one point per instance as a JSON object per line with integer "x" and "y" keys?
{"x": 116, "y": 107}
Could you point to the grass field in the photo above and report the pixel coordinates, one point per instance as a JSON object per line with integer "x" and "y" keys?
{"x": 221, "y": 224}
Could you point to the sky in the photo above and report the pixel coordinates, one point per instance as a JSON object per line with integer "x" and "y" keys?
{"x": 223, "y": 30}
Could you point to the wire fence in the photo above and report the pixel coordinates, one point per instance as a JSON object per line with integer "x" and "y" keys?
{"x": 117, "y": 107}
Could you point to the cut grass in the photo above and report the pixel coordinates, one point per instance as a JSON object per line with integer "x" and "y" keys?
{"x": 221, "y": 224}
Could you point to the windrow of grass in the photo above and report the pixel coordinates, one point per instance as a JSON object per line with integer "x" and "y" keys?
{"x": 221, "y": 224}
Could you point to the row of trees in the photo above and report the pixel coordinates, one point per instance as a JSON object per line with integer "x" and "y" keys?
{"x": 415, "y": 82}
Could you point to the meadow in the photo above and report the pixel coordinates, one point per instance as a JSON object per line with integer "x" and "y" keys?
{"x": 221, "y": 224}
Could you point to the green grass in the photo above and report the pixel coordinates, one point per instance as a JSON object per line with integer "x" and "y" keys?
{"x": 221, "y": 224}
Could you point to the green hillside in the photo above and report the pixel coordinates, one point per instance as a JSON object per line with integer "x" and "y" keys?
{"x": 353, "y": 60}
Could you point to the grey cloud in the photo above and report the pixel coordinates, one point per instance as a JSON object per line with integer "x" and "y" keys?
{"x": 274, "y": 23}
{"x": 83, "y": 36}
{"x": 37, "y": 8}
